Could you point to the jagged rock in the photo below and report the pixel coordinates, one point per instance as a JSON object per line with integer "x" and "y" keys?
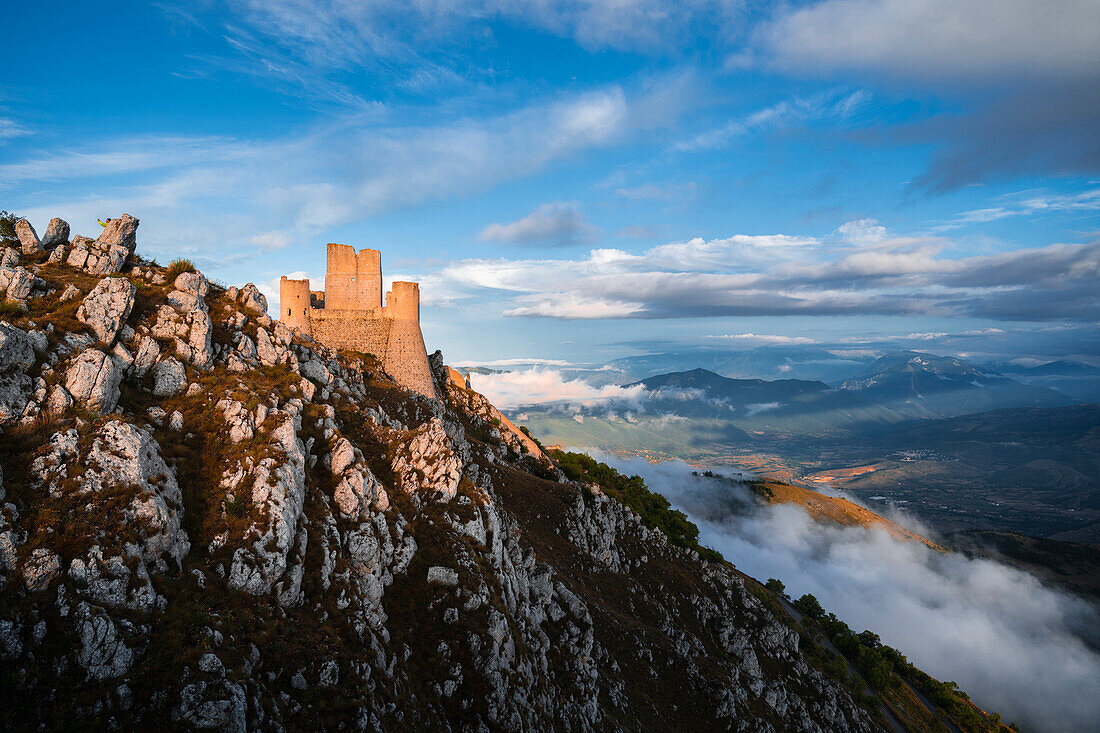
{"x": 108, "y": 253}
{"x": 40, "y": 569}
{"x": 103, "y": 652}
{"x": 220, "y": 705}
{"x": 57, "y": 233}
{"x": 265, "y": 349}
{"x": 106, "y": 307}
{"x": 192, "y": 282}
{"x": 9, "y": 257}
{"x": 93, "y": 378}
{"x": 16, "y": 282}
{"x": 428, "y": 461}
{"x": 147, "y": 354}
{"x": 251, "y": 299}
{"x": 11, "y": 645}
{"x": 110, "y": 581}
{"x": 278, "y": 491}
{"x": 169, "y": 377}
{"x": 57, "y": 254}
{"x": 16, "y": 350}
{"x": 443, "y": 576}
{"x": 185, "y": 302}
{"x": 238, "y": 419}
{"x": 71, "y": 291}
{"x": 175, "y": 420}
{"x": 59, "y": 401}
{"x": 28, "y": 238}
{"x": 120, "y": 232}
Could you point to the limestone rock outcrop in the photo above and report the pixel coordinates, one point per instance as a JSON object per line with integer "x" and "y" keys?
{"x": 57, "y": 234}
{"x": 109, "y": 252}
{"x": 94, "y": 378}
{"x": 28, "y": 237}
{"x": 106, "y": 308}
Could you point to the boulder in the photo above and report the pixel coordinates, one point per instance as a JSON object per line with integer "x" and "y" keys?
{"x": 17, "y": 282}
{"x": 28, "y": 237}
{"x": 93, "y": 379}
{"x": 103, "y": 652}
{"x": 57, "y": 233}
{"x": 107, "y": 307}
{"x": 71, "y": 291}
{"x": 252, "y": 299}
{"x": 120, "y": 232}
{"x": 169, "y": 377}
{"x": 147, "y": 354}
{"x": 16, "y": 349}
{"x": 192, "y": 282}
{"x": 9, "y": 257}
{"x": 40, "y": 569}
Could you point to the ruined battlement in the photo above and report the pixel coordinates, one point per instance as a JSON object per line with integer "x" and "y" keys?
{"x": 349, "y": 314}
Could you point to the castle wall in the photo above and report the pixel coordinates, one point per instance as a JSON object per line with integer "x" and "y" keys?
{"x": 348, "y": 314}
{"x": 353, "y": 281}
{"x": 368, "y": 332}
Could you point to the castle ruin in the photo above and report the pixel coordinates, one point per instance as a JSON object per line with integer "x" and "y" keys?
{"x": 349, "y": 314}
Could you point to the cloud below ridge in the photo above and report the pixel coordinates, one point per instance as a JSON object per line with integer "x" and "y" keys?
{"x": 1013, "y": 644}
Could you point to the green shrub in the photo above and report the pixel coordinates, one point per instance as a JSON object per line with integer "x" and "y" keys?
{"x": 7, "y": 229}
{"x": 775, "y": 585}
{"x": 810, "y": 606}
{"x": 11, "y": 309}
{"x": 654, "y": 509}
{"x": 177, "y": 267}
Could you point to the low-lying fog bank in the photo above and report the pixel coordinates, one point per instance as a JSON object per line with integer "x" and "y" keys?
{"x": 1014, "y": 645}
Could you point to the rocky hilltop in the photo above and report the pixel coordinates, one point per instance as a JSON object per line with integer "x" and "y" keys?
{"x": 211, "y": 522}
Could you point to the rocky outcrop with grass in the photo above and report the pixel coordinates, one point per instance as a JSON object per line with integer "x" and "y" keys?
{"x": 208, "y": 521}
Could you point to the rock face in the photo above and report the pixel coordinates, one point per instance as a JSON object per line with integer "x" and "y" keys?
{"x": 107, "y": 307}
{"x": 93, "y": 378}
{"x": 109, "y": 252}
{"x": 291, "y": 541}
{"x": 57, "y": 233}
{"x": 28, "y": 238}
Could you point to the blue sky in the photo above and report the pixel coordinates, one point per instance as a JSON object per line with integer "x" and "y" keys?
{"x": 577, "y": 181}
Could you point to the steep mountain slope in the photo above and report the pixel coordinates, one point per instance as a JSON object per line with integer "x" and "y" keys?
{"x": 210, "y": 522}
{"x": 923, "y": 385}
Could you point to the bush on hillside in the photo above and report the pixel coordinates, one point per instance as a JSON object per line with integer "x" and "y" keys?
{"x": 654, "y": 509}
{"x": 178, "y": 267}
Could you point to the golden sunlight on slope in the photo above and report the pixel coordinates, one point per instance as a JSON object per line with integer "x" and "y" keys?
{"x": 833, "y": 508}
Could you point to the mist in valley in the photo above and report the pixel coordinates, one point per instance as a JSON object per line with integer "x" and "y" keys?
{"x": 1015, "y": 646}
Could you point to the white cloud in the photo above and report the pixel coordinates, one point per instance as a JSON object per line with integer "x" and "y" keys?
{"x": 862, "y": 231}
{"x": 779, "y": 275}
{"x": 515, "y": 362}
{"x": 831, "y": 106}
{"x": 270, "y": 241}
{"x": 544, "y": 386}
{"x": 10, "y": 128}
{"x": 764, "y": 338}
{"x": 937, "y": 39}
{"x": 1029, "y": 203}
{"x": 559, "y": 222}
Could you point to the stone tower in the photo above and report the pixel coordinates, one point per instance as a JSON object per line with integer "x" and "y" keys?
{"x": 353, "y": 281}
{"x": 348, "y": 314}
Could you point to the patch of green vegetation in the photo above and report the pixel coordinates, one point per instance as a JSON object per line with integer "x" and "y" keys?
{"x": 10, "y": 309}
{"x": 654, "y": 509}
{"x": 532, "y": 437}
{"x": 7, "y": 229}
{"x": 884, "y": 667}
{"x": 177, "y": 267}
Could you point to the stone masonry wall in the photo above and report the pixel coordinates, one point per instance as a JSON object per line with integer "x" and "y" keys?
{"x": 366, "y": 331}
